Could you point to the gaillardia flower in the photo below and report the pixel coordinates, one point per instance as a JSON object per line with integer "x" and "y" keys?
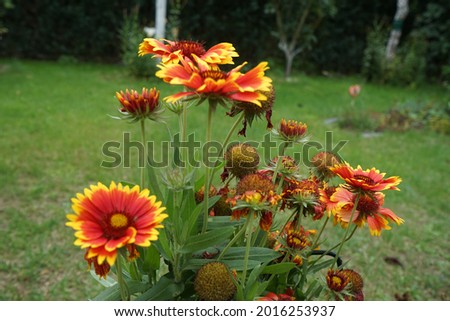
{"x": 137, "y": 105}
{"x": 365, "y": 180}
{"x": 288, "y": 295}
{"x": 368, "y": 209}
{"x": 209, "y": 81}
{"x": 108, "y": 218}
{"x": 173, "y": 51}
{"x": 252, "y": 111}
{"x": 337, "y": 280}
{"x": 292, "y": 131}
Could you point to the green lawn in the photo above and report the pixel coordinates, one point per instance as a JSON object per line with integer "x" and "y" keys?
{"x": 54, "y": 121}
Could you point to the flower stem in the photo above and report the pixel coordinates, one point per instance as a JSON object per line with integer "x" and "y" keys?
{"x": 226, "y": 140}
{"x": 122, "y": 285}
{"x": 327, "y": 252}
{"x": 233, "y": 240}
{"x": 145, "y": 152}
{"x": 279, "y": 161}
{"x": 316, "y": 241}
{"x": 211, "y": 108}
{"x": 247, "y": 246}
{"x": 344, "y": 239}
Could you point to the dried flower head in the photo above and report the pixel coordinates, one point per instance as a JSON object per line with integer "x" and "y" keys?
{"x": 214, "y": 282}
{"x": 252, "y": 111}
{"x": 322, "y": 162}
{"x": 241, "y": 159}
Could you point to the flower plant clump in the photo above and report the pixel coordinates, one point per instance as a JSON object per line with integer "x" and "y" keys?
{"x": 234, "y": 228}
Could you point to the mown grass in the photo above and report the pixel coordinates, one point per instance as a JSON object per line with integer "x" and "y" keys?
{"x": 54, "y": 121}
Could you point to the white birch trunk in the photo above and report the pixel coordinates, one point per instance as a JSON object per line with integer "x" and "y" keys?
{"x": 160, "y": 19}
{"x": 394, "y": 38}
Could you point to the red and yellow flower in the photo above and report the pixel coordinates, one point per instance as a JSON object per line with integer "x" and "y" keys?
{"x": 109, "y": 218}
{"x": 337, "y": 280}
{"x": 365, "y": 180}
{"x": 368, "y": 209}
{"x": 209, "y": 81}
{"x": 288, "y": 295}
{"x": 137, "y": 105}
{"x": 173, "y": 51}
{"x": 292, "y": 131}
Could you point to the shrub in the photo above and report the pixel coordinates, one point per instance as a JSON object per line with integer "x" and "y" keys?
{"x": 131, "y": 35}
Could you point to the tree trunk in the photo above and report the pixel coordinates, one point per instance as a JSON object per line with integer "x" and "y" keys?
{"x": 394, "y": 38}
{"x": 160, "y": 19}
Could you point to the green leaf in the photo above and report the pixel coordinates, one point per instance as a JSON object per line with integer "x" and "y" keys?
{"x": 219, "y": 222}
{"x": 108, "y": 282}
{"x": 191, "y": 220}
{"x": 208, "y": 239}
{"x": 279, "y": 268}
{"x": 164, "y": 289}
{"x": 238, "y": 265}
{"x": 150, "y": 259}
{"x": 319, "y": 266}
{"x": 113, "y": 293}
{"x": 260, "y": 254}
{"x": 153, "y": 183}
{"x": 162, "y": 245}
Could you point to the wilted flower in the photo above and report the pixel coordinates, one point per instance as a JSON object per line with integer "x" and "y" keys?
{"x": 241, "y": 159}
{"x": 322, "y": 162}
{"x": 252, "y": 111}
{"x": 200, "y": 194}
{"x": 214, "y": 282}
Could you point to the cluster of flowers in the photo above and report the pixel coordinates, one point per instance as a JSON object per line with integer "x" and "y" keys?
{"x": 120, "y": 225}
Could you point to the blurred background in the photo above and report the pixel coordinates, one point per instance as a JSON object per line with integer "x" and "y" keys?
{"x": 343, "y": 36}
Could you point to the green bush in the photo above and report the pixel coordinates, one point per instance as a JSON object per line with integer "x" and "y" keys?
{"x": 406, "y": 68}
{"x": 131, "y": 35}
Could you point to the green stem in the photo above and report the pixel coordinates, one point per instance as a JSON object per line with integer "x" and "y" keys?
{"x": 332, "y": 248}
{"x": 235, "y": 238}
{"x": 279, "y": 161}
{"x": 299, "y": 220}
{"x": 316, "y": 241}
{"x": 346, "y": 230}
{"x": 247, "y": 246}
{"x": 211, "y": 108}
{"x": 226, "y": 140}
{"x": 145, "y": 152}
{"x": 122, "y": 285}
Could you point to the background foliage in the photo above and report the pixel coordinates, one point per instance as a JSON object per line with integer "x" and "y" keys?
{"x": 89, "y": 30}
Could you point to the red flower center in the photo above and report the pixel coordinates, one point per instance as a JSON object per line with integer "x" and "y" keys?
{"x": 116, "y": 225}
{"x": 214, "y": 74}
{"x": 365, "y": 179}
{"x": 367, "y": 205}
{"x": 188, "y": 48}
